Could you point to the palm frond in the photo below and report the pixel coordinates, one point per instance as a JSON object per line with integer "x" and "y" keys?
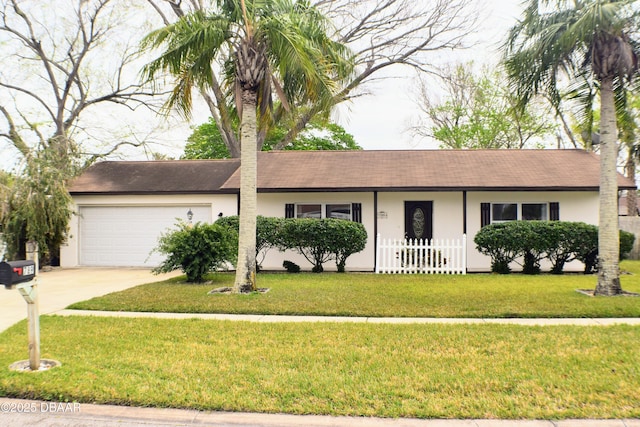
{"x": 190, "y": 48}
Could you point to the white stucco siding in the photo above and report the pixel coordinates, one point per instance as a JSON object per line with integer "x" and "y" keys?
{"x": 447, "y": 213}
{"x": 574, "y": 206}
{"x": 121, "y": 221}
{"x": 448, "y": 217}
{"x": 273, "y": 205}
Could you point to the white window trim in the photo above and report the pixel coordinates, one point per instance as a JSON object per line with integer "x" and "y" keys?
{"x": 323, "y": 208}
{"x": 518, "y": 210}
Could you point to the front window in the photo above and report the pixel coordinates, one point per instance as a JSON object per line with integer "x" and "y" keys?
{"x": 309, "y": 211}
{"x": 329, "y": 210}
{"x": 534, "y": 211}
{"x": 501, "y": 212}
{"x": 339, "y": 211}
{"x": 504, "y": 212}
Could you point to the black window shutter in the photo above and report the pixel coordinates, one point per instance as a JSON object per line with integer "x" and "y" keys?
{"x": 356, "y": 212}
{"x": 554, "y": 211}
{"x": 289, "y": 210}
{"x": 485, "y": 214}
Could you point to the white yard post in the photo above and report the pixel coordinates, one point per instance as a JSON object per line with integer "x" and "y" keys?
{"x": 29, "y": 292}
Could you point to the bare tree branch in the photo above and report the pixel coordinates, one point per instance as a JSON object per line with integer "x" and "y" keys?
{"x": 68, "y": 70}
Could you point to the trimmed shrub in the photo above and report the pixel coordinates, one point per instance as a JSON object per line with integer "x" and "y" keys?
{"x": 534, "y": 241}
{"x": 308, "y": 237}
{"x": 346, "y": 238}
{"x": 558, "y": 241}
{"x": 585, "y": 245}
{"x": 500, "y": 244}
{"x": 267, "y": 233}
{"x": 196, "y": 249}
{"x": 321, "y": 240}
{"x": 562, "y": 243}
{"x": 626, "y": 243}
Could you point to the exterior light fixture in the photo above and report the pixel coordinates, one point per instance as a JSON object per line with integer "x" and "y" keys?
{"x": 189, "y": 215}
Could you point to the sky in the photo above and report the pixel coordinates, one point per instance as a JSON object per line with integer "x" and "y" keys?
{"x": 380, "y": 121}
{"x": 377, "y": 121}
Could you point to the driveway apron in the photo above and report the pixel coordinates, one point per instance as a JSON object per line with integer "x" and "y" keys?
{"x": 61, "y": 287}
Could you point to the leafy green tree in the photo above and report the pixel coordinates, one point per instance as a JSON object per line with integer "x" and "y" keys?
{"x": 38, "y": 206}
{"x": 593, "y": 36}
{"x": 383, "y": 34}
{"x": 206, "y": 141}
{"x": 55, "y": 79}
{"x": 479, "y": 112}
{"x": 279, "y": 46}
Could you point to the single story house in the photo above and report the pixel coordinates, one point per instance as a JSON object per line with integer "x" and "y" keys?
{"x": 123, "y": 206}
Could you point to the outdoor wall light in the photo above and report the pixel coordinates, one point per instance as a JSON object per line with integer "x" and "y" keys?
{"x": 189, "y": 215}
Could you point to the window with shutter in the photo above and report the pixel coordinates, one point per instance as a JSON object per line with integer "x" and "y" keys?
{"x": 485, "y": 214}
{"x": 554, "y": 211}
{"x": 347, "y": 211}
{"x": 289, "y": 210}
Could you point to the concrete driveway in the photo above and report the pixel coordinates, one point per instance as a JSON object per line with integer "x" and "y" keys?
{"x": 61, "y": 287}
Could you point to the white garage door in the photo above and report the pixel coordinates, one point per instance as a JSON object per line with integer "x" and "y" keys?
{"x": 125, "y": 236}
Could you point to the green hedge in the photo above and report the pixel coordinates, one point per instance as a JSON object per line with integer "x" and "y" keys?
{"x": 318, "y": 240}
{"x": 267, "y": 233}
{"x": 557, "y": 241}
{"x": 322, "y": 240}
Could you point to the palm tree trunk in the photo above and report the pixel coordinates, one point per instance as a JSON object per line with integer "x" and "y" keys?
{"x": 608, "y": 234}
{"x": 246, "y": 268}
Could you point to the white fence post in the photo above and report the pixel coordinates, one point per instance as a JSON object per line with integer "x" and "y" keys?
{"x": 444, "y": 256}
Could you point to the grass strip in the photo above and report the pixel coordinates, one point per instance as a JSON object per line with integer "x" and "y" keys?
{"x": 424, "y": 371}
{"x": 353, "y": 294}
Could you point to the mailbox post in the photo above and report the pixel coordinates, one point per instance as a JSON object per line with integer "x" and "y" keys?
{"x": 22, "y": 275}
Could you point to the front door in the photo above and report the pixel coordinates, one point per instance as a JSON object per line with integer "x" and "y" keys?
{"x": 418, "y": 220}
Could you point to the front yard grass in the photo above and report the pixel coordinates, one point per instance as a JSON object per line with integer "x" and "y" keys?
{"x": 353, "y": 294}
{"x": 424, "y": 371}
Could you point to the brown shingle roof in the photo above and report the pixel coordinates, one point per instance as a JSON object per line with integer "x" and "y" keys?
{"x": 169, "y": 177}
{"x": 427, "y": 170}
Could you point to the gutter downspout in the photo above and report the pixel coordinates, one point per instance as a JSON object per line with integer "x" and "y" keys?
{"x": 464, "y": 224}
{"x": 375, "y": 230}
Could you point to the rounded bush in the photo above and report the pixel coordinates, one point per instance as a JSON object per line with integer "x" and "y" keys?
{"x": 321, "y": 240}
{"x": 197, "y": 249}
{"x": 558, "y": 241}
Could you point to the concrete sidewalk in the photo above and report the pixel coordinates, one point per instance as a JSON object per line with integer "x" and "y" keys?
{"x": 323, "y": 319}
{"x": 18, "y": 413}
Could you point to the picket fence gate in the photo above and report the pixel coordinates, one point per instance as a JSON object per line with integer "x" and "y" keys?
{"x": 413, "y": 256}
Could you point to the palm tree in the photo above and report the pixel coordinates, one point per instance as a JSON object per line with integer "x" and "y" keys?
{"x": 262, "y": 45}
{"x": 557, "y": 38}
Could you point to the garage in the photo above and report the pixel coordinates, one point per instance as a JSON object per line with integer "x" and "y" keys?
{"x": 125, "y": 236}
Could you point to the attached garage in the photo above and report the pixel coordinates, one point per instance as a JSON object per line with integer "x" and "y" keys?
{"x": 125, "y": 236}
{"x": 122, "y": 208}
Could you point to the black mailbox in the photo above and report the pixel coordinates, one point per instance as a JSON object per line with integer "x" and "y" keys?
{"x": 14, "y": 272}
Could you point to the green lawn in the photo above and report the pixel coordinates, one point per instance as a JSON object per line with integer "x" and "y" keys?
{"x": 386, "y": 370}
{"x": 473, "y": 295}
{"x": 425, "y": 371}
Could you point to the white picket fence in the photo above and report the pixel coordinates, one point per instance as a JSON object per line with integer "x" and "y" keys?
{"x": 436, "y": 256}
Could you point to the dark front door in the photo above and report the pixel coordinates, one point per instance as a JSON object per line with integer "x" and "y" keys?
{"x": 418, "y": 220}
